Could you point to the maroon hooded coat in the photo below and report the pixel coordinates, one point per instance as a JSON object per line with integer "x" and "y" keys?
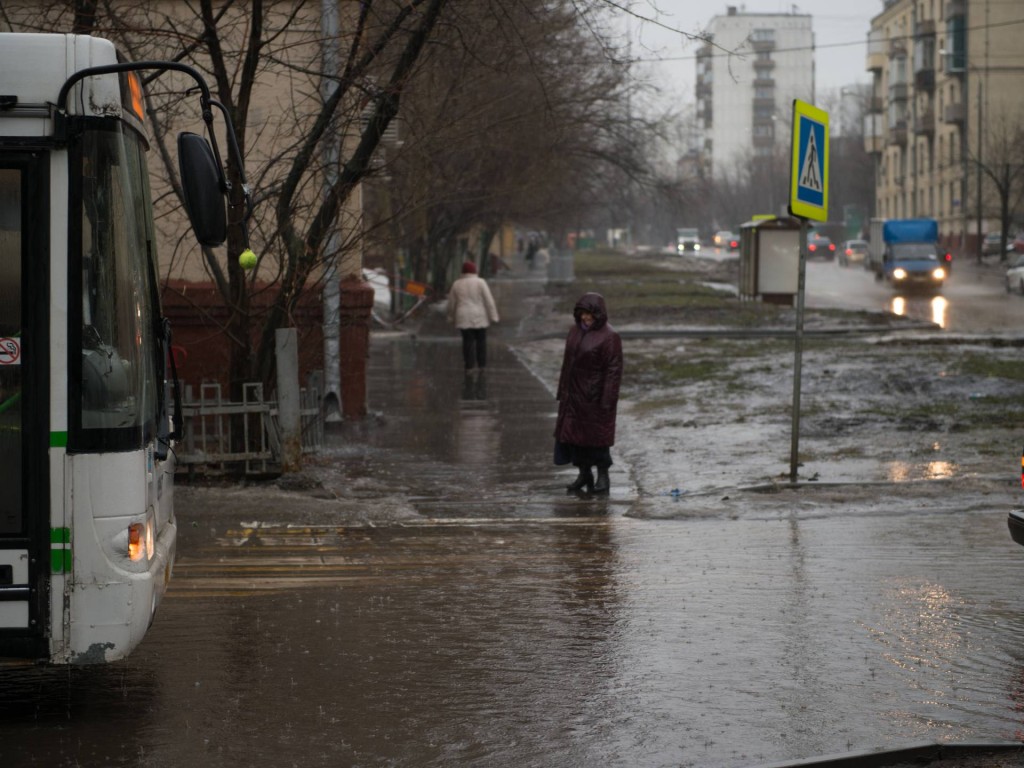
{"x": 588, "y": 387}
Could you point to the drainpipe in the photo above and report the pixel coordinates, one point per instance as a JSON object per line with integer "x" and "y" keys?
{"x": 331, "y": 291}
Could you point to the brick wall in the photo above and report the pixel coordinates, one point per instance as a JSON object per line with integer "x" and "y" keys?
{"x": 198, "y": 315}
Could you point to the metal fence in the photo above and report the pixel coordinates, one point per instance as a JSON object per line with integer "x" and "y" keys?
{"x": 224, "y": 437}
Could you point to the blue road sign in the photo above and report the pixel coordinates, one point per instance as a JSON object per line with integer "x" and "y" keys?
{"x": 808, "y": 197}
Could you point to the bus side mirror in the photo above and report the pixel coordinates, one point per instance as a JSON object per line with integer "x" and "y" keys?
{"x": 201, "y": 183}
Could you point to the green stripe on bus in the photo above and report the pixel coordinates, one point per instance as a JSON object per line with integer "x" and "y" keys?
{"x": 60, "y": 561}
{"x": 58, "y": 439}
{"x": 60, "y": 550}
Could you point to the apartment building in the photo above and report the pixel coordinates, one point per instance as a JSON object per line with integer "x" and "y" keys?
{"x": 947, "y": 92}
{"x": 748, "y": 72}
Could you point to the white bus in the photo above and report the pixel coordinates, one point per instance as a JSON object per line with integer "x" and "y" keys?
{"x": 87, "y": 417}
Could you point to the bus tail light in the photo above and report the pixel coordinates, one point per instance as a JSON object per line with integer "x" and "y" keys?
{"x": 136, "y": 542}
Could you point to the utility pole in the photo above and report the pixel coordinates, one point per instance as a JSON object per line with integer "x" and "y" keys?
{"x": 978, "y": 201}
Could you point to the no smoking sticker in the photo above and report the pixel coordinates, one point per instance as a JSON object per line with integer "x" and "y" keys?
{"x": 10, "y": 351}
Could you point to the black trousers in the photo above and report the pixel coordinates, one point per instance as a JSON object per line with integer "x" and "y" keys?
{"x": 583, "y": 456}
{"x": 474, "y": 347}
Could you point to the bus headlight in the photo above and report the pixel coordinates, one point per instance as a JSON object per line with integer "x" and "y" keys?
{"x": 899, "y": 273}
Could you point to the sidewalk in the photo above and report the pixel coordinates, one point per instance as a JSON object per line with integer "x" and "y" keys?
{"x": 455, "y": 446}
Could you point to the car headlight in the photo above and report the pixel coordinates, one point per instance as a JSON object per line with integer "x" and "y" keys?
{"x": 696, "y": 246}
{"x": 939, "y": 273}
{"x": 899, "y": 273}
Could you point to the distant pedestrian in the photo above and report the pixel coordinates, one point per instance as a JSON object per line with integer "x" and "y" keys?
{"x": 531, "y": 250}
{"x": 471, "y": 307}
{"x": 588, "y": 395}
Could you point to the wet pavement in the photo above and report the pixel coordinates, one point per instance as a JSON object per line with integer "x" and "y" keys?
{"x": 437, "y": 599}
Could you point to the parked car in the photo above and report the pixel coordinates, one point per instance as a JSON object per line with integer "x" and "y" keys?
{"x": 727, "y": 240}
{"x": 1015, "y": 521}
{"x": 990, "y": 245}
{"x": 853, "y": 252}
{"x": 1015, "y": 275}
{"x": 820, "y": 245}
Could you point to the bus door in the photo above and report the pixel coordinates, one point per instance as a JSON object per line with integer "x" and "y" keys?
{"x": 25, "y": 532}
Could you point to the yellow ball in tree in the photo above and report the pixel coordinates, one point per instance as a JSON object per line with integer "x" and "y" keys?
{"x": 247, "y": 259}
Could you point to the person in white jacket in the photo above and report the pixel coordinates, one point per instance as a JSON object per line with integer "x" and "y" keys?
{"x": 471, "y": 307}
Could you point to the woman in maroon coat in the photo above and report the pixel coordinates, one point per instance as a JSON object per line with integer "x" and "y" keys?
{"x": 588, "y": 394}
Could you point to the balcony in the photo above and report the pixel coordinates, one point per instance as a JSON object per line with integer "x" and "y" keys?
{"x": 924, "y": 123}
{"x": 763, "y": 141}
{"x": 925, "y": 28}
{"x": 874, "y": 145}
{"x": 876, "y": 51}
{"x": 764, "y": 104}
{"x": 924, "y": 78}
{"x": 898, "y": 134}
{"x": 764, "y": 82}
{"x": 763, "y": 65}
{"x": 898, "y": 92}
{"x": 954, "y": 113}
{"x": 765, "y": 45}
{"x": 874, "y": 138}
{"x": 897, "y": 48}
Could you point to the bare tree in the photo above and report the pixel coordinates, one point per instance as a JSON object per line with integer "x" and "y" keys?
{"x": 525, "y": 119}
{"x": 241, "y": 47}
{"x": 516, "y": 110}
{"x": 1001, "y": 162}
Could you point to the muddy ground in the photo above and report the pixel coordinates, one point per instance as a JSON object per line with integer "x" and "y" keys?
{"x": 890, "y": 411}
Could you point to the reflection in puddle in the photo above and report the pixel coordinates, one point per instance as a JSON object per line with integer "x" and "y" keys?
{"x": 904, "y": 471}
{"x": 936, "y": 312}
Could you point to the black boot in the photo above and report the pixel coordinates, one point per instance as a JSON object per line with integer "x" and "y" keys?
{"x": 603, "y": 484}
{"x": 584, "y": 480}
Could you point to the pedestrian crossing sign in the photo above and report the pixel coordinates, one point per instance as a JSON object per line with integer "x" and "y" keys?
{"x": 808, "y": 187}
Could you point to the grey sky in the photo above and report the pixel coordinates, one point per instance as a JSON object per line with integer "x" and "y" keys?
{"x": 840, "y": 37}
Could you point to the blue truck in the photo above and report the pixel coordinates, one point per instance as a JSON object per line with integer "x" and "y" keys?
{"x": 906, "y": 252}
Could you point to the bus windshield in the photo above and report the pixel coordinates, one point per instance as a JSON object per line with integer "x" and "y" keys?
{"x": 118, "y": 404}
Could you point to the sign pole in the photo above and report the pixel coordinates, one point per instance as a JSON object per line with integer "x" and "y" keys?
{"x": 798, "y": 354}
{"x": 808, "y": 199}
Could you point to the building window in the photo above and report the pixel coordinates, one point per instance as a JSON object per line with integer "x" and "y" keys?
{"x": 956, "y": 54}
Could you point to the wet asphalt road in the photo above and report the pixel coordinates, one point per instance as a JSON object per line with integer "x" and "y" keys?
{"x": 973, "y": 300}
{"x": 500, "y": 622}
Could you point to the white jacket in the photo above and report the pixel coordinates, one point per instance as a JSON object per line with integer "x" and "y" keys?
{"x": 470, "y": 304}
